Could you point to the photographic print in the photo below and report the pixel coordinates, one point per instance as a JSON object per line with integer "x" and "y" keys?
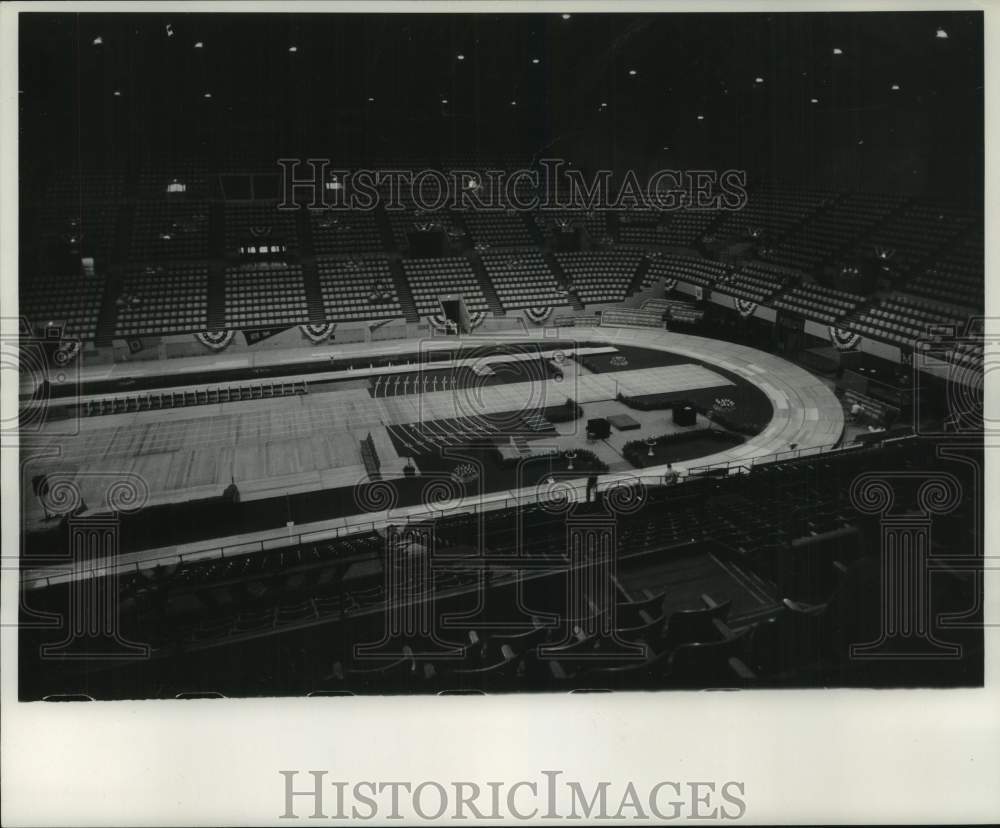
{"x": 498, "y": 353}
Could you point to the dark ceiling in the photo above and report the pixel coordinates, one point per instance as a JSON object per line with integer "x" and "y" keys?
{"x": 606, "y": 89}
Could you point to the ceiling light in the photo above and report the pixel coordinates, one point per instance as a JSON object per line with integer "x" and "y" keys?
{"x": 837, "y": 50}
{"x": 460, "y": 57}
{"x": 633, "y": 72}
{"x": 371, "y": 100}
{"x": 814, "y": 100}
{"x": 666, "y": 148}
{"x": 536, "y": 61}
{"x": 860, "y": 141}
{"x": 293, "y": 48}
{"x": 97, "y": 41}
{"x": 758, "y": 80}
{"x": 207, "y": 95}
{"x": 444, "y": 100}
{"x": 941, "y": 34}
{"x": 895, "y": 87}
{"x": 603, "y": 106}
{"x": 117, "y": 93}
{"x": 566, "y": 16}
{"x": 199, "y": 45}
{"x": 513, "y": 103}
{"x": 170, "y": 30}
{"x": 701, "y": 117}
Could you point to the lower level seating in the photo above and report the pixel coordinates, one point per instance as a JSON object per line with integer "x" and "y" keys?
{"x": 817, "y": 302}
{"x": 67, "y": 299}
{"x": 902, "y": 320}
{"x": 160, "y": 300}
{"x": 523, "y": 280}
{"x": 599, "y": 276}
{"x": 429, "y": 279}
{"x": 355, "y": 289}
{"x": 262, "y": 295}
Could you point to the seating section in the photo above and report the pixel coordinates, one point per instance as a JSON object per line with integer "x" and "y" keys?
{"x": 523, "y": 280}
{"x": 701, "y": 272}
{"x": 163, "y": 299}
{"x": 755, "y": 282}
{"x": 901, "y": 320}
{"x": 430, "y": 279}
{"x": 832, "y": 229}
{"x": 599, "y": 276}
{"x": 356, "y": 289}
{"x": 85, "y": 227}
{"x": 786, "y": 540}
{"x": 680, "y": 228}
{"x": 340, "y": 231}
{"x": 957, "y": 276}
{"x": 169, "y": 230}
{"x": 909, "y": 237}
{"x": 263, "y": 295}
{"x": 67, "y": 299}
{"x": 259, "y": 223}
{"x": 551, "y": 222}
{"x": 771, "y": 211}
{"x": 496, "y": 229}
{"x": 933, "y": 251}
{"x": 824, "y": 304}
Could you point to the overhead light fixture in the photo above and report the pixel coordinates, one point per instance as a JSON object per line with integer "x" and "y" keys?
{"x": 814, "y": 100}
{"x": 758, "y": 80}
{"x": 97, "y": 41}
{"x": 536, "y": 61}
{"x": 170, "y": 30}
{"x": 117, "y": 93}
{"x": 603, "y": 106}
{"x": 860, "y": 141}
{"x": 460, "y": 57}
{"x": 895, "y": 87}
{"x": 941, "y": 34}
{"x": 513, "y": 103}
{"x": 371, "y": 100}
{"x": 199, "y": 45}
{"x": 207, "y": 95}
{"x": 293, "y": 48}
{"x": 701, "y": 117}
{"x": 444, "y": 100}
{"x": 837, "y": 50}
{"x": 566, "y": 16}
{"x": 633, "y": 72}
{"x": 666, "y": 148}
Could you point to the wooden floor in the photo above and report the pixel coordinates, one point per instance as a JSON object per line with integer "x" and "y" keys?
{"x": 311, "y": 442}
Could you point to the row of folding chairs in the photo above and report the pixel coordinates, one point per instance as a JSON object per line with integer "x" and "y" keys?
{"x": 181, "y": 399}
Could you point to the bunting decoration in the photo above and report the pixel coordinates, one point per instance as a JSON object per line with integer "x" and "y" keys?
{"x": 216, "y": 340}
{"x": 744, "y": 306}
{"x": 318, "y": 333}
{"x": 538, "y": 315}
{"x": 843, "y": 339}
